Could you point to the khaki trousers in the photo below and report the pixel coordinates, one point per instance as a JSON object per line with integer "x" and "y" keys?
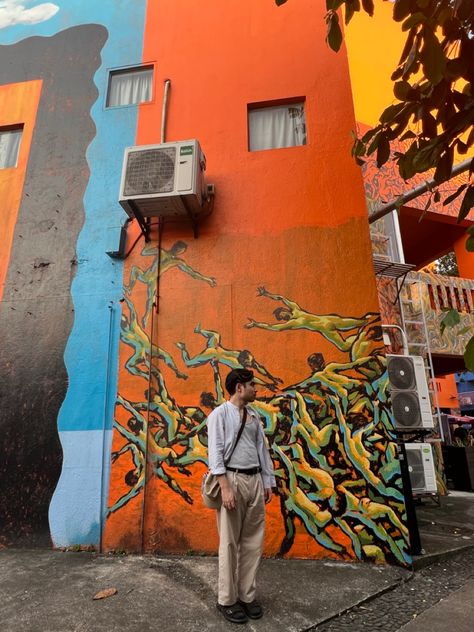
{"x": 241, "y": 532}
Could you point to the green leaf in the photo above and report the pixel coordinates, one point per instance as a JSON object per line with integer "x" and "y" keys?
{"x": 390, "y": 113}
{"x": 383, "y": 150}
{"x": 401, "y": 9}
{"x": 334, "y": 33}
{"x": 433, "y": 59}
{"x": 401, "y": 89}
{"x": 467, "y": 203}
{"x": 444, "y": 167}
{"x": 368, "y": 6}
{"x": 469, "y": 355}
{"x": 430, "y": 127}
{"x": 470, "y": 239}
{"x": 463, "y": 331}
{"x": 413, "y": 20}
{"x": 368, "y": 135}
{"x": 451, "y": 319}
{"x": 407, "y": 135}
{"x": 407, "y": 47}
{"x": 454, "y": 195}
{"x": 374, "y": 144}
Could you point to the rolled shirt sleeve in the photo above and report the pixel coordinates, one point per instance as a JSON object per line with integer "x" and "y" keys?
{"x": 216, "y": 442}
{"x": 268, "y": 476}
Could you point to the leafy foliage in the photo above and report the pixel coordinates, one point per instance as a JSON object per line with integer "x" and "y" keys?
{"x": 432, "y": 118}
{"x": 447, "y": 265}
{"x": 433, "y": 114}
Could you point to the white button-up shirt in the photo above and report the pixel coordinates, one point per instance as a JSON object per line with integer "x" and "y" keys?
{"x": 222, "y": 429}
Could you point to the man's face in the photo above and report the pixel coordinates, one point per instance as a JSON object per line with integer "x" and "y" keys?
{"x": 248, "y": 391}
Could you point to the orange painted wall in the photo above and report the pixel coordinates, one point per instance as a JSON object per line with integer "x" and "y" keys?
{"x": 447, "y": 391}
{"x": 18, "y": 104}
{"x": 292, "y": 220}
{"x": 464, "y": 259}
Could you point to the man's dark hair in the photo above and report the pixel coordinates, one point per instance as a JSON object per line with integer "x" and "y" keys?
{"x": 237, "y": 376}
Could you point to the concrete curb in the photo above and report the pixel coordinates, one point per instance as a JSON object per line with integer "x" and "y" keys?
{"x": 361, "y": 602}
{"x": 422, "y": 561}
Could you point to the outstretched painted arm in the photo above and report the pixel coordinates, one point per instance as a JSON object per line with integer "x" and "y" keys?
{"x": 183, "y": 266}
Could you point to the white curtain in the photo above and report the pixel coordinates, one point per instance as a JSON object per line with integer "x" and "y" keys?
{"x": 278, "y": 126}
{"x": 130, "y": 87}
{"x": 9, "y": 147}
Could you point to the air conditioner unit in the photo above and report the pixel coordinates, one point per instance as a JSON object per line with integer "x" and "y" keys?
{"x": 165, "y": 180}
{"x": 421, "y": 468}
{"x": 411, "y": 403}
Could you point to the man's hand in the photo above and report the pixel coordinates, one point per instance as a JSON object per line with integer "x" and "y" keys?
{"x": 267, "y": 493}
{"x": 227, "y": 493}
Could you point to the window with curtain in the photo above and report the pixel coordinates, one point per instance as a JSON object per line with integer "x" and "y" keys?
{"x": 276, "y": 126}
{"x": 130, "y": 86}
{"x": 10, "y": 140}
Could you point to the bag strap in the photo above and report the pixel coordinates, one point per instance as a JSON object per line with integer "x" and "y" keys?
{"x": 241, "y": 429}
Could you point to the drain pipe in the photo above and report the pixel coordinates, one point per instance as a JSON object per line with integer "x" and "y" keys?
{"x": 416, "y": 192}
{"x": 164, "y": 110}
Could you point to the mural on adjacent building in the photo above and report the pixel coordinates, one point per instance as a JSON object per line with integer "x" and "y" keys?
{"x": 330, "y": 433}
{"x": 42, "y": 213}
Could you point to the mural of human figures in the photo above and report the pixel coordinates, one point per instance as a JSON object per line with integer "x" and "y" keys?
{"x": 330, "y": 433}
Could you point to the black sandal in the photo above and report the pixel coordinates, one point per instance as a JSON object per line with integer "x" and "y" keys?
{"x": 234, "y": 613}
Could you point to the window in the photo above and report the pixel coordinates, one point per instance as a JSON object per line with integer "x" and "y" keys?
{"x": 276, "y": 126}
{"x": 10, "y": 138}
{"x": 130, "y": 86}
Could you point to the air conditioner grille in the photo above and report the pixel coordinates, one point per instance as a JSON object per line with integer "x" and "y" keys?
{"x": 401, "y": 373}
{"x": 150, "y": 171}
{"x": 406, "y": 409}
{"x": 416, "y": 469}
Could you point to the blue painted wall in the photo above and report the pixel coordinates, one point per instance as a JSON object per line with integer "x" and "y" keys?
{"x": 90, "y": 357}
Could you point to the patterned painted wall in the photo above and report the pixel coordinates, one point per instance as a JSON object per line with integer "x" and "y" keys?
{"x": 280, "y": 280}
{"x": 323, "y": 402}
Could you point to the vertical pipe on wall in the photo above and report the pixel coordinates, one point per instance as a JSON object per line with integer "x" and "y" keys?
{"x": 164, "y": 110}
{"x": 111, "y": 308}
{"x": 155, "y": 310}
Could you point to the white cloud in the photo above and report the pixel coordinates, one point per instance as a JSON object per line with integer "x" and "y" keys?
{"x": 16, "y": 12}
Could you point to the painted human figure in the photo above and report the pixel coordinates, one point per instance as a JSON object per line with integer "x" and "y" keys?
{"x": 214, "y": 353}
{"x": 168, "y": 259}
{"x": 245, "y": 473}
{"x": 292, "y": 316}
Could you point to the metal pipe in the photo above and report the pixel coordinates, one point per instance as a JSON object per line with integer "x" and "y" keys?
{"x": 111, "y": 307}
{"x": 404, "y": 336}
{"x": 416, "y": 192}
{"x": 164, "y": 111}
{"x": 154, "y": 311}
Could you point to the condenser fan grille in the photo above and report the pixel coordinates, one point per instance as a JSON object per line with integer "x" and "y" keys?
{"x": 401, "y": 373}
{"x": 150, "y": 171}
{"x": 416, "y": 469}
{"x": 406, "y": 409}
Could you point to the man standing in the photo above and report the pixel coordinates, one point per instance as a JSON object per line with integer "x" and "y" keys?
{"x": 245, "y": 473}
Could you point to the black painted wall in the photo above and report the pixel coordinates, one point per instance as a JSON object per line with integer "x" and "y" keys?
{"x": 36, "y": 313}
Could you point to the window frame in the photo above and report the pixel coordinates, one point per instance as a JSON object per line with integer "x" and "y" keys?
{"x": 129, "y": 69}
{"x": 13, "y": 128}
{"x": 261, "y": 105}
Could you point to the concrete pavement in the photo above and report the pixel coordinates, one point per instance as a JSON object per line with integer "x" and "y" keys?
{"x": 51, "y": 591}
{"x": 456, "y": 612}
